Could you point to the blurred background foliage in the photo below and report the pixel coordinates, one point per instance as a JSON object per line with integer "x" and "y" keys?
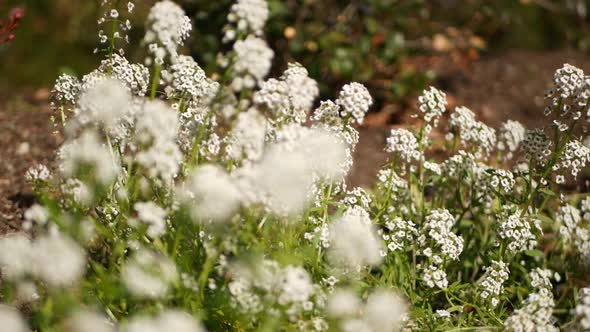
{"x": 388, "y": 44}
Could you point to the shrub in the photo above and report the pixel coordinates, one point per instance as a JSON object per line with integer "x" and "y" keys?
{"x": 182, "y": 202}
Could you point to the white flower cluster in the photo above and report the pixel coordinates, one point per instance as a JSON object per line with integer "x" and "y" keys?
{"x": 155, "y": 131}
{"x": 472, "y": 133}
{"x": 246, "y": 17}
{"x": 327, "y": 117}
{"x": 38, "y": 173}
{"x": 153, "y": 216}
{"x": 187, "y": 81}
{"x": 582, "y": 310}
{"x": 167, "y": 28}
{"x": 290, "y": 286}
{"x": 517, "y": 229}
{"x": 536, "y": 314}
{"x": 496, "y": 274}
{"x": 397, "y": 186}
{"x": 84, "y": 152}
{"x": 169, "y": 320}
{"x": 355, "y": 101}
{"x": 247, "y": 138}
{"x": 358, "y": 197}
{"x": 383, "y": 311}
{"x": 328, "y": 114}
{"x": 321, "y": 234}
{"x": 354, "y": 240}
{"x": 211, "y": 193}
{"x": 21, "y": 258}
{"x": 281, "y": 179}
{"x": 575, "y": 228}
{"x": 399, "y": 234}
{"x": 537, "y": 145}
{"x": 253, "y": 60}
{"x": 65, "y": 92}
{"x": 438, "y": 244}
{"x": 135, "y": 76}
{"x": 502, "y": 180}
{"x": 149, "y": 274}
{"x": 403, "y": 144}
{"x": 432, "y": 103}
{"x": 460, "y": 166}
{"x": 510, "y": 136}
{"x": 575, "y": 157}
{"x": 570, "y": 94}
{"x": 12, "y": 320}
{"x": 105, "y": 104}
{"x": 289, "y": 98}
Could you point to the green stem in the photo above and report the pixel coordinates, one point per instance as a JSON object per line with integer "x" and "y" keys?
{"x": 155, "y": 81}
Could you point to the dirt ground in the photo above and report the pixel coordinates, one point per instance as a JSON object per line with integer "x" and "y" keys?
{"x": 496, "y": 87}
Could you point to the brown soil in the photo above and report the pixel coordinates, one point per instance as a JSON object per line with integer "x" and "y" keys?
{"x": 496, "y": 87}
{"x": 26, "y": 139}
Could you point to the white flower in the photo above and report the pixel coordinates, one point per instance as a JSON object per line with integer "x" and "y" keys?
{"x": 437, "y": 226}
{"x": 252, "y": 63}
{"x": 343, "y": 303}
{"x": 68, "y": 260}
{"x": 294, "y": 285}
{"x": 582, "y": 310}
{"x": 284, "y": 177}
{"x": 575, "y": 157}
{"x": 385, "y": 310}
{"x": 501, "y": 180}
{"x": 433, "y": 104}
{"x": 537, "y": 310}
{"x": 168, "y": 26}
{"x": 403, "y": 143}
{"x": 148, "y": 274}
{"x": 104, "y": 103}
{"x": 15, "y": 256}
{"x": 37, "y": 214}
{"x": 37, "y": 173}
{"x": 481, "y": 138}
{"x": 154, "y": 216}
{"x": 249, "y": 16}
{"x": 87, "y": 151}
{"x": 354, "y": 240}
{"x": 169, "y": 320}
{"x": 575, "y": 228}
{"x": 188, "y": 81}
{"x": 212, "y": 194}
{"x": 89, "y": 321}
{"x": 246, "y": 140}
{"x": 517, "y": 229}
{"x": 302, "y": 89}
{"x": 355, "y": 101}
{"x": 156, "y": 123}
{"x": 135, "y": 77}
{"x": 491, "y": 283}
{"x": 65, "y": 91}
{"x": 510, "y": 136}
{"x": 291, "y": 97}
{"x": 570, "y": 93}
{"x": 536, "y": 144}
{"x": 12, "y": 320}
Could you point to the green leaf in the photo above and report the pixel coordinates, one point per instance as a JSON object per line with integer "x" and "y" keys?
{"x": 534, "y": 253}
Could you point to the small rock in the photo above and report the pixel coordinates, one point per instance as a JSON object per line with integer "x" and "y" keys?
{"x": 23, "y": 148}
{"x": 42, "y": 94}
